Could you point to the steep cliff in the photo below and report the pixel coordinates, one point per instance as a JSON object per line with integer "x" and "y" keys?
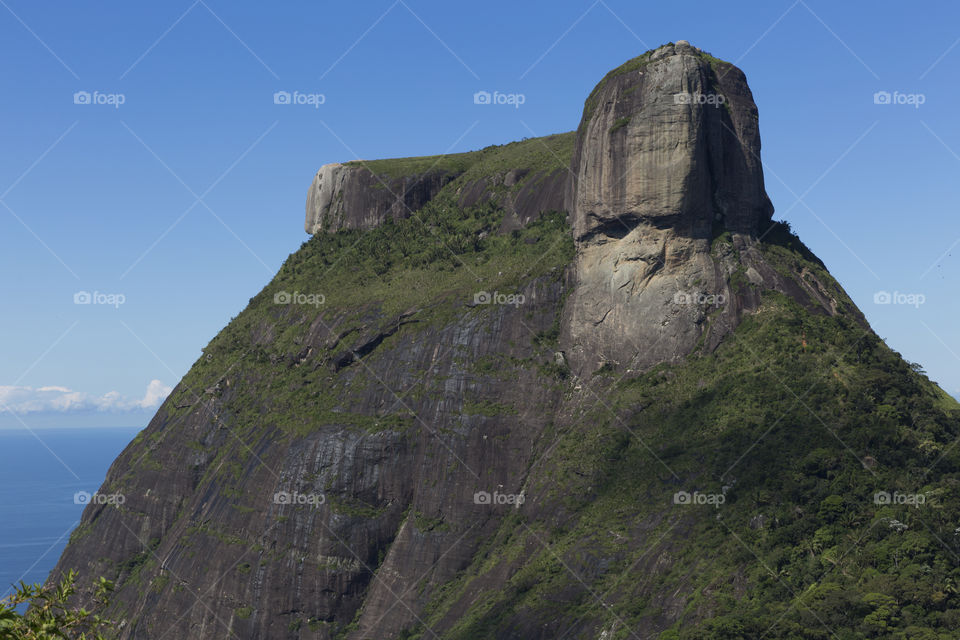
{"x": 523, "y": 182}
{"x": 578, "y": 386}
{"x": 668, "y": 150}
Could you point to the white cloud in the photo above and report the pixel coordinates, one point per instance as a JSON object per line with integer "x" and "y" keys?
{"x": 17, "y": 399}
{"x": 156, "y": 393}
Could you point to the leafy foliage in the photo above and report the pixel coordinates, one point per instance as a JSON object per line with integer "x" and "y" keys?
{"x": 50, "y": 616}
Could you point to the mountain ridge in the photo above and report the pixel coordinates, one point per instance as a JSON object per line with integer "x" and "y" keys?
{"x": 576, "y": 386}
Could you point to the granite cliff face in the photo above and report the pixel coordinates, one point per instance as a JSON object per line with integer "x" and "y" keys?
{"x": 668, "y": 150}
{"x": 669, "y": 139}
{"x": 352, "y": 196}
{"x": 519, "y": 356}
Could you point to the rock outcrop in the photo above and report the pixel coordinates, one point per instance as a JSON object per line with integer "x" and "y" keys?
{"x": 667, "y": 156}
{"x": 362, "y": 195}
{"x": 669, "y": 139}
{"x": 350, "y": 196}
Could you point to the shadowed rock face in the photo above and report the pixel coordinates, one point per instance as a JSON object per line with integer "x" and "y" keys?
{"x": 667, "y": 152}
{"x": 200, "y": 546}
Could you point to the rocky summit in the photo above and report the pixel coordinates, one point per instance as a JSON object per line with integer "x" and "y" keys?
{"x": 580, "y": 386}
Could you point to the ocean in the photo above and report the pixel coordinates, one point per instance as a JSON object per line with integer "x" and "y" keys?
{"x": 38, "y": 481}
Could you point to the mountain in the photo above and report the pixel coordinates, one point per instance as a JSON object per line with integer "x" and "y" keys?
{"x": 580, "y": 386}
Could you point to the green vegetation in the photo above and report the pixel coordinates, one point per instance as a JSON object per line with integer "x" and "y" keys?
{"x": 487, "y": 408}
{"x": 398, "y": 167}
{"x": 799, "y": 422}
{"x": 546, "y": 154}
{"x": 428, "y": 266}
{"x": 425, "y": 524}
{"x": 712, "y": 60}
{"x": 793, "y": 427}
{"x": 353, "y": 507}
{"x": 779, "y": 234}
{"x": 50, "y": 616}
{"x": 620, "y": 123}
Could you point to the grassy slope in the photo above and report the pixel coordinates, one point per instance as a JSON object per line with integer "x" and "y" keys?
{"x": 825, "y": 553}
{"x": 784, "y": 414}
{"x": 547, "y": 153}
{"x": 433, "y": 262}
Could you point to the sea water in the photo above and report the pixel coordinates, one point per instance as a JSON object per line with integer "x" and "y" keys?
{"x": 41, "y": 473}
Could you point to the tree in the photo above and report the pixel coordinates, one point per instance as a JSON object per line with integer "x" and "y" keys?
{"x": 49, "y": 616}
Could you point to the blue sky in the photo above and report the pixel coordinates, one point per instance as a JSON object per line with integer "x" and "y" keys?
{"x": 182, "y": 201}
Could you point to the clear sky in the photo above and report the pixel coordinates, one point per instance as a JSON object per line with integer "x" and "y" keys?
{"x": 176, "y": 184}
